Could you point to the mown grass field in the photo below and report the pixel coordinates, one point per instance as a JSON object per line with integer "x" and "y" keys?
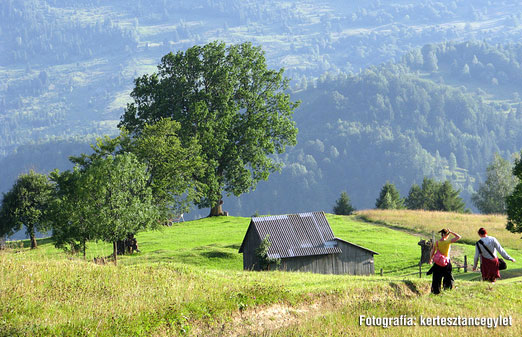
{"x": 187, "y": 280}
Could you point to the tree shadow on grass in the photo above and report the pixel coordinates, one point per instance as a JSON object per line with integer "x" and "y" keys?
{"x": 218, "y": 254}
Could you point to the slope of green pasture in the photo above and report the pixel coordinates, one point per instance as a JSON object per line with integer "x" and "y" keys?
{"x": 187, "y": 281}
{"x": 210, "y": 243}
{"x": 73, "y": 297}
{"x": 213, "y": 243}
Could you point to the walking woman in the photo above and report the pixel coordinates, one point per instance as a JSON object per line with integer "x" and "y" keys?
{"x": 487, "y": 247}
{"x": 442, "y": 268}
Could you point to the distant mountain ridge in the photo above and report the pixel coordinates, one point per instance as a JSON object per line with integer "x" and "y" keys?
{"x": 67, "y": 66}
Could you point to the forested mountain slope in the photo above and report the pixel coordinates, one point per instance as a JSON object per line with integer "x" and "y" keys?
{"x": 67, "y": 66}
{"x": 399, "y": 123}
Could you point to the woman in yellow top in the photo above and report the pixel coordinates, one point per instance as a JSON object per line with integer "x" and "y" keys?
{"x": 442, "y": 267}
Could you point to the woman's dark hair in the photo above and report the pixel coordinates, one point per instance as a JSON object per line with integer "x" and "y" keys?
{"x": 444, "y": 231}
{"x": 482, "y": 231}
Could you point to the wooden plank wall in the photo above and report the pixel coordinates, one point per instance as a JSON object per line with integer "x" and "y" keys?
{"x": 353, "y": 261}
{"x": 249, "y": 250}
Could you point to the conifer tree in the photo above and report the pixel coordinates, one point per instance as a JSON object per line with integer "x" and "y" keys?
{"x": 343, "y": 205}
{"x": 389, "y": 198}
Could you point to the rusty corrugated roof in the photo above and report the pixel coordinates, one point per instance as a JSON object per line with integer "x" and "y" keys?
{"x": 291, "y": 235}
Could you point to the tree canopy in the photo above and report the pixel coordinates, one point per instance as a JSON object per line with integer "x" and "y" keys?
{"x": 343, "y": 206}
{"x": 514, "y": 201}
{"x": 389, "y": 198}
{"x": 26, "y": 204}
{"x": 230, "y": 103}
{"x": 500, "y": 183}
{"x": 171, "y": 165}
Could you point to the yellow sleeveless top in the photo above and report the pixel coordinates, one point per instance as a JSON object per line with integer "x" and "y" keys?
{"x": 444, "y": 247}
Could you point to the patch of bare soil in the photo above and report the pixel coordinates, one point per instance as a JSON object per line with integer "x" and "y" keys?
{"x": 262, "y": 320}
{"x": 255, "y": 321}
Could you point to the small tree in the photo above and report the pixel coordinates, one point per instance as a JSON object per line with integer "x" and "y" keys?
{"x": 514, "y": 202}
{"x": 115, "y": 199}
{"x": 261, "y": 253}
{"x": 343, "y": 205}
{"x": 26, "y": 204}
{"x": 500, "y": 183}
{"x": 389, "y": 198}
{"x": 70, "y": 211}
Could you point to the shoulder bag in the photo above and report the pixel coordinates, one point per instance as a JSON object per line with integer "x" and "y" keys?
{"x": 440, "y": 259}
{"x": 501, "y": 263}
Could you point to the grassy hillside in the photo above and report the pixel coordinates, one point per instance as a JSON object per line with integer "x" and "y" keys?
{"x": 426, "y": 223}
{"x": 187, "y": 280}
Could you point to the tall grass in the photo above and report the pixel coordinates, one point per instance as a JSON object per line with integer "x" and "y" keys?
{"x": 78, "y": 298}
{"x": 427, "y": 222}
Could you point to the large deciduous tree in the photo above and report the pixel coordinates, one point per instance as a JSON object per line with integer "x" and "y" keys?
{"x": 500, "y": 183}
{"x": 230, "y": 103}
{"x": 514, "y": 201}
{"x": 26, "y": 204}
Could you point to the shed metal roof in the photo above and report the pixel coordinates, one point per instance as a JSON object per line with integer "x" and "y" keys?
{"x": 292, "y": 235}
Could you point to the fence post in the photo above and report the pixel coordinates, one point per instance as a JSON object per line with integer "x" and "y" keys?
{"x": 420, "y": 270}
{"x": 381, "y": 271}
{"x": 465, "y": 263}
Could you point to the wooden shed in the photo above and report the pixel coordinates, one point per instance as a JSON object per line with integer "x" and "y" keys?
{"x": 305, "y": 242}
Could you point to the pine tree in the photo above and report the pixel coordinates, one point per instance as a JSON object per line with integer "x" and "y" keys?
{"x": 343, "y": 205}
{"x": 389, "y": 198}
{"x": 415, "y": 198}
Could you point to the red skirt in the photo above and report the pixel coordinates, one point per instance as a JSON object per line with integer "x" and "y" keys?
{"x": 489, "y": 269}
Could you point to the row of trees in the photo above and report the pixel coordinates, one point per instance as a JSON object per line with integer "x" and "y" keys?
{"x": 205, "y": 125}
{"x": 126, "y": 185}
{"x": 501, "y": 193}
{"x": 431, "y": 195}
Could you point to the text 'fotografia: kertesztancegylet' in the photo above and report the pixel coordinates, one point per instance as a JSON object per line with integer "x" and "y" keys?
{"x": 403, "y": 320}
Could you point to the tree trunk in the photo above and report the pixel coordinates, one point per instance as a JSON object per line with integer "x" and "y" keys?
{"x": 217, "y": 210}
{"x": 33, "y": 240}
{"x": 114, "y": 252}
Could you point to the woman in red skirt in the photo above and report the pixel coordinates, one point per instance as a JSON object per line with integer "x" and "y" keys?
{"x": 487, "y": 247}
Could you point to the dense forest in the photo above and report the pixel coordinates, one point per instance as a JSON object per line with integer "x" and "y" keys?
{"x": 67, "y": 67}
{"x": 383, "y": 97}
{"x": 399, "y": 123}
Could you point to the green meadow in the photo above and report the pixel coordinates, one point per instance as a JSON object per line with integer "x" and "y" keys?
{"x": 188, "y": 280}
